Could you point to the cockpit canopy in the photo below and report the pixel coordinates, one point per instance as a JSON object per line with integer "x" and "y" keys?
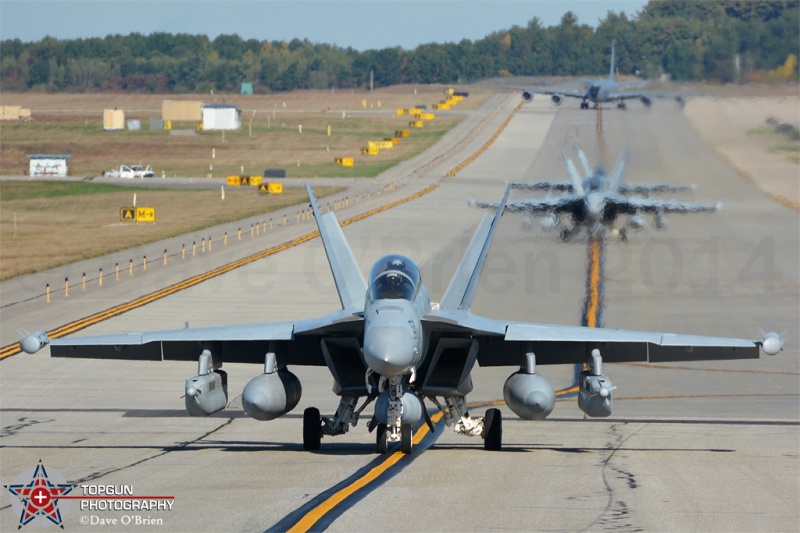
{"x": 393, "y": 277}
{"x": 596, "y": 181}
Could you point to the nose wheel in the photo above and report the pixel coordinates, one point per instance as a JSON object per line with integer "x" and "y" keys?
{"x": 384, "y": 436}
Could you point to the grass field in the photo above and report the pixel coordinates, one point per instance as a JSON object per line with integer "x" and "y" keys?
{"x": 47, "y": 224}
{"x": 270, "y": 136}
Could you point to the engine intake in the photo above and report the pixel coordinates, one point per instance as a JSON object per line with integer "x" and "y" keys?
{"x": 556, "y": 99}
{"x": 527, "y": 96}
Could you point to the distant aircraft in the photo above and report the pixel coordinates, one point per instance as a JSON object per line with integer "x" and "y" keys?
{"x": 596, "y": 201}
{"x": 600, "y": 91}
{"x": 390, "y": 345}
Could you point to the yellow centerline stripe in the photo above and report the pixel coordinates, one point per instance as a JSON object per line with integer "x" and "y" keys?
{"x": 314, "y": 515}
{"x": 593, "y": 306}
{"x": 82, "y": 323}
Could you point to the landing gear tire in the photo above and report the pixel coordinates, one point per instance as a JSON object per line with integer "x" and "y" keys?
{"x": 407, "y": 434}
{"x": 493, "y": 430}
{"x": 380, "y": 438}
{"x": 623, "y": 235}
{"x": 584, "y": 105}
{"x": 564, "y": 235}
{"x": 621, "y": 105}
{"x": 312, "y": 432}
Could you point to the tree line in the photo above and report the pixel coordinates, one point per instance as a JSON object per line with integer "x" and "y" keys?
{"x": 721, "y": 41}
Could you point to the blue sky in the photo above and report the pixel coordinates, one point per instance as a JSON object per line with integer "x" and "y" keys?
{"x": 362, "y": 24}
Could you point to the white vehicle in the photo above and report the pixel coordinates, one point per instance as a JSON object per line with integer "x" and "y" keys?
{"x": 142, "y": 172}
{"x": 133, "y": 171}
{"x": 123, "y": 171}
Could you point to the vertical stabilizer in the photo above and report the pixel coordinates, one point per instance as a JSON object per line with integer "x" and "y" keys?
{"x": 618, "y": 174}
{"x": 574, "y": 177}
{"x": 461, "y": 290}
{"x": 350, "y": 283}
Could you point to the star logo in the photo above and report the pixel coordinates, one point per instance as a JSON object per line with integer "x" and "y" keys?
{"x": 38, "y": 497}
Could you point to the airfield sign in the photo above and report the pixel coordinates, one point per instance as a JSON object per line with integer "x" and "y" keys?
{"x": 137, "y": 214}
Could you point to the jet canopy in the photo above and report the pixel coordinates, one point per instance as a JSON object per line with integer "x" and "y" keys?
{"x": 393, "y": 277}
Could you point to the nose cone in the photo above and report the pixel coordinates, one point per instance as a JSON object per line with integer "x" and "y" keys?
{"x": 389, "y": 350}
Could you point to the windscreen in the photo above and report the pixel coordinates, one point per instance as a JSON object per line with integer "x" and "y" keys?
{"x": 393, "y": 277}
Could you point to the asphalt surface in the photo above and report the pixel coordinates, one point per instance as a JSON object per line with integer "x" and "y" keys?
{"x": 695, "y": 446}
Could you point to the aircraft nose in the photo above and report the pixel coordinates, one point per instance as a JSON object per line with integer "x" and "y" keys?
{"x": 388, "y": 350}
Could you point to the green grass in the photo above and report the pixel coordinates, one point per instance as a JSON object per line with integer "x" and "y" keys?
{"x": 29, "y": 190}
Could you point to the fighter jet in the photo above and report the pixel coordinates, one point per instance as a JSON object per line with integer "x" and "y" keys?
{"x": 389, "y": 345}
{"x": 596, "y": 201}
{"x": 600, "y": 91}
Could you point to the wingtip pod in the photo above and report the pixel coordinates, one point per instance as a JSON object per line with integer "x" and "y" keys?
{"x": 772, "y": 343}
{"x": 34, "y": 342}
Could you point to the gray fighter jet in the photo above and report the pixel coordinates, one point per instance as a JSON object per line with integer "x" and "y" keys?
{"x": 596, "y": 201}
{"x": 601, "y": 91}
{"x": 390, "y": 345}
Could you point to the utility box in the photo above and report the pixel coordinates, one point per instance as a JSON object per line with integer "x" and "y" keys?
{"x": 181, "y": 110}
{"x": 221, "y": 117}
{"x": 48, "y": 165}
{"x": 113, "y": 120}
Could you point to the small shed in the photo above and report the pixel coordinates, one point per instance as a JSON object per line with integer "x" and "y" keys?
{"x": 47, "y": 165}
{"x": 113, "y": 120}
{"x": 182, "y": 110}
{"x": 221, "y": 117}
{"x": 247, "y": 87}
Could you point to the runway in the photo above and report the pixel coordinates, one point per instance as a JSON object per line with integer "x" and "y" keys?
{"x": 711, "y": 446}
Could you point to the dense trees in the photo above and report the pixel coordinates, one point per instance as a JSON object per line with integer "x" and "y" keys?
{"x": 725, "y": 40}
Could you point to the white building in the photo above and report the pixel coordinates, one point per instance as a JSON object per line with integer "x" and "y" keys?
{"x": 47, "y": 165}
{"x": 221, "y": 117}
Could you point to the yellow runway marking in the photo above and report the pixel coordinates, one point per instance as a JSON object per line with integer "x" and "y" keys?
{"x": 313, "y": 516}
{"x": 593, "y": 304}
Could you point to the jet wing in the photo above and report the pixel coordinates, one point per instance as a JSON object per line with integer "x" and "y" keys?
{"x": 506, "y": 343}
{"x": 629, "y": 96}
{"x": 570, "y": 94}
{"x": 564, "y": 204}
{"x": 561, "y": 186}
{"x": 653, "y": 188}
{"x": 295, "y": 342}
{"x": 645, "y": 205}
